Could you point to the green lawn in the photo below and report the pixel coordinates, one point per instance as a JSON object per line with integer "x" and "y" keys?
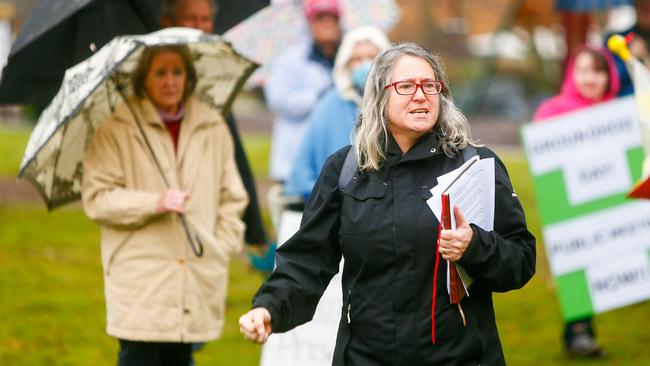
{"x": 52, "y": 307}
{"x": 12, "y": 145}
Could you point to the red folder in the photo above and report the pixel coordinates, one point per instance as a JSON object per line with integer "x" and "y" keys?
{"x": 456, "y": 289}
{"x": 456, "y": 293}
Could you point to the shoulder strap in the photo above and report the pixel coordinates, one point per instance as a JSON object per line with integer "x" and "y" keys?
{"x": 348, "y": 169}
{"x": 468, "y": 152}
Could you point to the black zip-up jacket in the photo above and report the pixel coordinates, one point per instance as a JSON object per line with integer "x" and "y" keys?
{"x": 380, "y": 223}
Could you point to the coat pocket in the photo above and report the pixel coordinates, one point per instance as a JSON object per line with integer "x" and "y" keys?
{"x": 119, "y": 240}
{"x": 361, "y": 211}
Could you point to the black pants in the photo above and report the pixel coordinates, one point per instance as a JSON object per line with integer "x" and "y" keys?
{"x": 133, "y": 353}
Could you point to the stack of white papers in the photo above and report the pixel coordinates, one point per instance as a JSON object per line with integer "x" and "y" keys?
{"x": 471, "y": 188}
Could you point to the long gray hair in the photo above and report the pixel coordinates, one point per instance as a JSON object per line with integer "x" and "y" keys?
{"x": 371, "y": 135}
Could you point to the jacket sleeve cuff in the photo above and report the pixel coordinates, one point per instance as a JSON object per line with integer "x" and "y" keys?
{"x": 473, "y": 252}
{"x": 267, "y": 303}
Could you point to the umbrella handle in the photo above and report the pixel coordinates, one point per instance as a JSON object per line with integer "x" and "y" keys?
{"x": 198, "y": 248}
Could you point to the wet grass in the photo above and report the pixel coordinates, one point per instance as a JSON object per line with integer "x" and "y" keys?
{"x": 12, "y": 145}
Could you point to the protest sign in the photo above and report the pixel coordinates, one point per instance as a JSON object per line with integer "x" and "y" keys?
{"x": 597, "y": 241}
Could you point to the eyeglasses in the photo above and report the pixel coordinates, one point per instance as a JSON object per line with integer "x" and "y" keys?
{"x": 429, "y": 87}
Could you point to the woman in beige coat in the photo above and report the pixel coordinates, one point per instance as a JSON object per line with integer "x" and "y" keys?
{"x": 160, "y": 297}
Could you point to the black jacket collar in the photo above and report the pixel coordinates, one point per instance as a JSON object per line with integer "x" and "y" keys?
{"x": 428, "y": 145}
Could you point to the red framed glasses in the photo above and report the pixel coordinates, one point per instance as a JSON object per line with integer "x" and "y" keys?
{"x": 429, "y": 87}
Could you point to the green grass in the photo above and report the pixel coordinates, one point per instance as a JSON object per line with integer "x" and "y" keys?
{"x": 258, "y": 149}
{"x": 52, "y": 306}
{"x": 12, "y": 146}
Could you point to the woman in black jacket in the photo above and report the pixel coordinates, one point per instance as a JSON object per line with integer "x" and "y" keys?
{"x": 411, "y": 133}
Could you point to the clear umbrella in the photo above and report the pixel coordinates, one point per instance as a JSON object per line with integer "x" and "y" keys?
{"x": 275, "y": 27}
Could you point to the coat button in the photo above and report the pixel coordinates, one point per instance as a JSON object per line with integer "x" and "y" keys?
{"x": 181, "y": 261}
{"x": 186, "y": 311}
{"x": 433, "y": 150}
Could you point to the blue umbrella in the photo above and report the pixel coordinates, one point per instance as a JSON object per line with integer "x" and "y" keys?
{"x": 589, "y": 5}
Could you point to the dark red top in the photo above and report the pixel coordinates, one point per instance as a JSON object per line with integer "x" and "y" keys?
{"x": 173, "y": 123}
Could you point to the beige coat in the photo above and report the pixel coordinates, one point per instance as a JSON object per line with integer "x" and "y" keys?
{"x": 156, "y": 289}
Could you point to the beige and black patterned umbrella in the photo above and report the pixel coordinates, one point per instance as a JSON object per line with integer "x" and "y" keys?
{"x": 89, "y": 93}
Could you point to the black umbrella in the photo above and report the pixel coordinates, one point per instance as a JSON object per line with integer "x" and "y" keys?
{"x": 232, "y": 12}
{"x": 58, "y": 34}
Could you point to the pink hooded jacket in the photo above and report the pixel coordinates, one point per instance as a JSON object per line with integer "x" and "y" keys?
{"x": 569, "y": 99}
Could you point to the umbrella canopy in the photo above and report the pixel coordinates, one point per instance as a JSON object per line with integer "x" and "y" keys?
{"x": 589, "y": 5}
{"x": 58, "y": 34}
{"x": 90, "y": 92}
{"x": 231, "y": 12}
{"x": 273, "y": 28}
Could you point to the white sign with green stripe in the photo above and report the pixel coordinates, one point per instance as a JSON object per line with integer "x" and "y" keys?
{"x": 597, "y": 241}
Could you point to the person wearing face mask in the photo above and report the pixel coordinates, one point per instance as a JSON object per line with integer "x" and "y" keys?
{"x": 298, "y": 78}
{"x": 590, "y": 78}
{"x": 331, "y": 122}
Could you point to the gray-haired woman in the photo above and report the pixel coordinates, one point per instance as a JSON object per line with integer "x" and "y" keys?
{"x": 410, "y": 133}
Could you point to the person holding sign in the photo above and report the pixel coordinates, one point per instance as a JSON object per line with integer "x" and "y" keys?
{"x": 394, "y": 311}
{"x": 590, "y": 78}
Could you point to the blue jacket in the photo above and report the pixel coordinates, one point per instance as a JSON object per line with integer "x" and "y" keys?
{"x": 296, "y": 81}
{"x": 329, "y": 129}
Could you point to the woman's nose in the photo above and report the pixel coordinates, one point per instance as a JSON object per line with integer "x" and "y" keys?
{"x": 419, "y": 92}
{"x": 167, "y": 79}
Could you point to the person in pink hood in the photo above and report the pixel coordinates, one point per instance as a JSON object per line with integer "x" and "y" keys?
{"x": 590, "y": 78}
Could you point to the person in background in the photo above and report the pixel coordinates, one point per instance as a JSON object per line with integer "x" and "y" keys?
{"x": 199, "y": 14}
{"x": 298, "y": 77}
{"x": 331, "y": 122}
{"x": 590, "y": 78}
{"x": 396, "y": 310}
{"x": 161, "y": 298}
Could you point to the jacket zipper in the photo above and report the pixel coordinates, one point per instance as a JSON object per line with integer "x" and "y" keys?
{"x": 349, "y": 305}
